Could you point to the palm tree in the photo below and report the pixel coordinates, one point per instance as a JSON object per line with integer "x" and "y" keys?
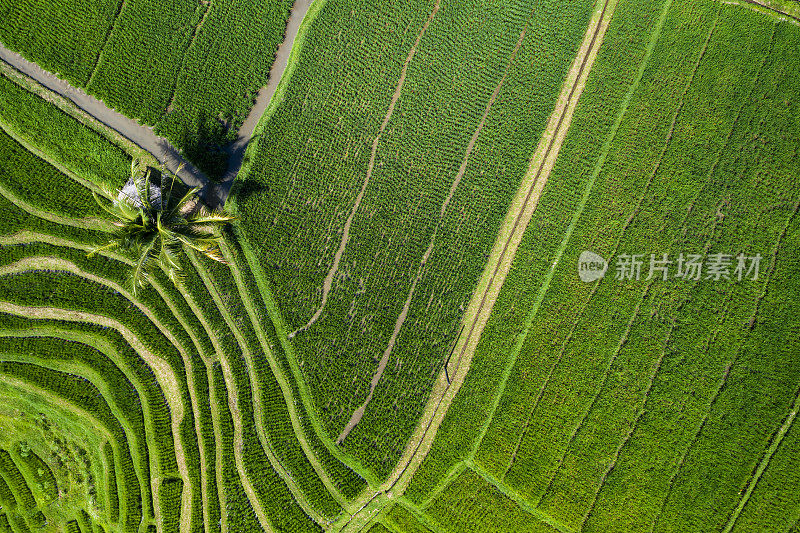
{"x": 155, "y": 228}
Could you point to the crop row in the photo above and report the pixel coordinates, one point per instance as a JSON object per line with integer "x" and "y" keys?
{"x": 346, "y": 480}
{"x": 230, "y": 71}
{"x": 240, "y": 513}
{"x": 275, "y": 419}
{"x": 110, "y": 491}
{"x": 274, "y": 495}
{"x": 24, "y": 174}
{"x": 313, "y": 159}
{"x": 601, "y": 406}
{"x": 61, "y": 137}
{"x": 124, "y": 399}
{"x": 610, "y": 77}
{"x": 169, "y": 492}
{"x": 65, "y": 37}
{"x": 39, "y": 472}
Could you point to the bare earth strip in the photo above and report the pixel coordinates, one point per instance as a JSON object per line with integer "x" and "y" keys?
{"x": 250, "y": 307}
{"x": 233, "y": 405}
{"x": 328, "y": 283}
{"x": 236, "y": 150}
{"x": 359, "y": 413}
{"x": 765, "y": 6}
{"x": 256, "y": 394}
{"x": 499, "y": 262}
{"x": 143, "y": 136}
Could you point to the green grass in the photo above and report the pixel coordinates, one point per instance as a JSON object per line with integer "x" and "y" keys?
{"x": 613, "y": 406}
{"x": 59, "y": 136}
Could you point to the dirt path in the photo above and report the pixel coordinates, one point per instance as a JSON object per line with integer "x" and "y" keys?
{"x": 55, "y": 263}
{"x": 768, "y": 7}
{"x": 328, "y": 283}
{"x": 140, "y": 135}
{"x": 256, "y": 394}
{"x": 237, "y": 148}
{"x": 499, "y": 262}
{"x": 359, "y": 413}
{"x": 145, "y": 138}
{"x": 233, "y": 406}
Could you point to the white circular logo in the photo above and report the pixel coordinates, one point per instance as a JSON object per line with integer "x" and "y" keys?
{"x": 591, "y": 266}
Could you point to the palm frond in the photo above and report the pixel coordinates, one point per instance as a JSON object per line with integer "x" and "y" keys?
{"x": 176, "y": 209}
{"x": 204, "y": 216}
{"x": 94, "y": 250}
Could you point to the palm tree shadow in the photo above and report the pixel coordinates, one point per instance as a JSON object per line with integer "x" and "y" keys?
{"x": 242, "y": 190}
{"x": 204, "y": 145}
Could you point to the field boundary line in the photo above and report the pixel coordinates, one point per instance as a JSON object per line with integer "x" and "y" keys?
{"x": 327, "y": 284}
{"x": 400, "y": 321}
{"x": 256, "y": 395}
{"x": 289, "y": 399}
{"x": 111, "y": 28}
{"x": 56, "y": 263}
{"x": 443, "y": 392}
{"x": 519, "y": 500}
{"x": 776, "y": 441}
{"x": 654, "y": 37}
{"x": 666, "y": 144}
{"x": 101, "y": 345}
{"x": 220, "y": 482}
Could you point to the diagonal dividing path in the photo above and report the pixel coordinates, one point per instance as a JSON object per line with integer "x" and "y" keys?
{"x": 499, "y": 263}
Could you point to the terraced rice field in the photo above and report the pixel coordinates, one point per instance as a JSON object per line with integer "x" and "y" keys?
{"x": 399, "y": 339}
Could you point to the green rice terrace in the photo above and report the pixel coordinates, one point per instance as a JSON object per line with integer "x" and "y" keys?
{"x": 405, "y": 266}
